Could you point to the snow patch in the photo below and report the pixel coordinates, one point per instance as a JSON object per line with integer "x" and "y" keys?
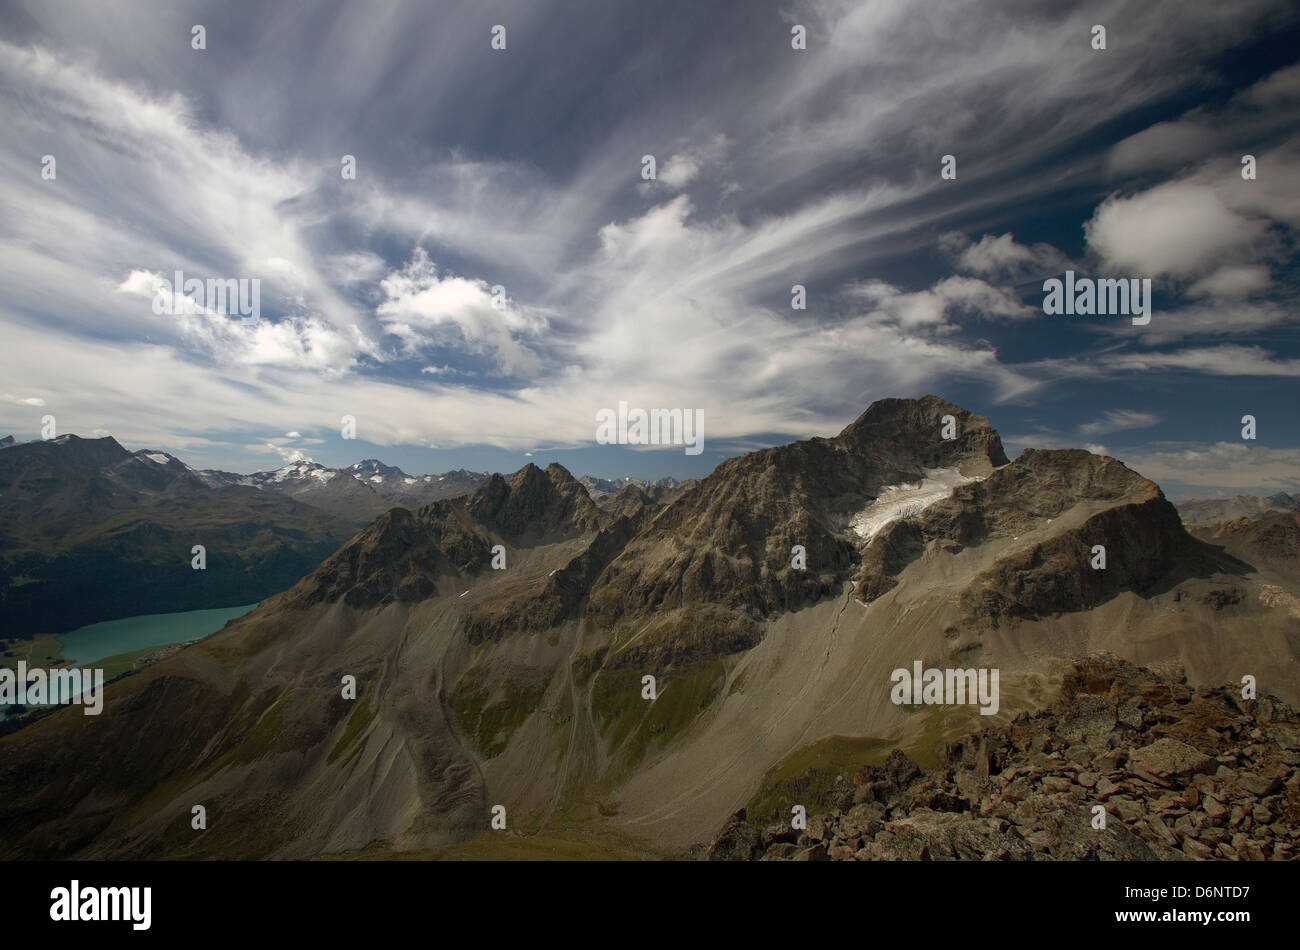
{"x": 897, "y": 502}
{"x": 299, "y": 469}
{"x": 156, "y": 457}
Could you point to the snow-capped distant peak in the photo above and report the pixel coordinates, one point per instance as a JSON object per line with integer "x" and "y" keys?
{"x": 160, "y": 458}
{"x": 374, "y": 470}
{"x": 302, "y": 468}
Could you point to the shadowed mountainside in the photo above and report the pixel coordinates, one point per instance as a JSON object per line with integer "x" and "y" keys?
{"x": 90, "y": 532}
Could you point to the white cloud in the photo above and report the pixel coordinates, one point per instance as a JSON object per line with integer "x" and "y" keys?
{"x": 914, "y": 310}
{"x": 421, "y": 306}
{"x": 1219, "y": 317}
{"x": 982, "y": 298}
{"x": 156, "y": 191}
{"x": 1226, "y": 360}
{"x": 1278, "y": 89}
{"x": 352, "y": 268}
{"x": 300, "y": 342}
{"x": 1003, "y": 257}
{"x": 1118, "y": 420}
{"x": 1238, "y": 466}
{"x": 679, "y": 171}
{"x": 287, "y": 454}
{"x": 675, "y": 322}
{"x": 1164, "y": 144}
{"x": 1233, "y": 282}
{"x": 1254, "y": 116}
{"x": 685, "y": 166}
{"x": 1177, "y": 228}
{"x": 930, "y": 309}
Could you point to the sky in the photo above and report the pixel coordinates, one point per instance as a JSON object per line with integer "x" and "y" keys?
{"x": 499, "y": 269}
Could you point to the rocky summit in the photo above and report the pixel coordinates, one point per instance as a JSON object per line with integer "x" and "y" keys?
{"x": 1125, "y": 765}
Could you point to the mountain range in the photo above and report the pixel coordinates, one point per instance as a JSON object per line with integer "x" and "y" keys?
{"x": 501, "y": 642}
{"x": 92, "y": 531}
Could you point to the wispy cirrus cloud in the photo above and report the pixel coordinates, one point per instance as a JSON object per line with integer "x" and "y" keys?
{"x": 522, "y": 171}
{"x": 1118, "y": 420}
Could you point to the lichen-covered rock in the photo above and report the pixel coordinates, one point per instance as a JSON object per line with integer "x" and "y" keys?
{"x": 1124, "y": 766}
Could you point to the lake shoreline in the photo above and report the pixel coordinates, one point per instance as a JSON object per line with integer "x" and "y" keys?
{"x": 121, "y": 646}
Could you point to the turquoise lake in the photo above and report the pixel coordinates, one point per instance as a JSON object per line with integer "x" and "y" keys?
{"x": 88, "y": 644}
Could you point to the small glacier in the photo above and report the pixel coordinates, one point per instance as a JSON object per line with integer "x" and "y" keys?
{"x": 902, "y": 501}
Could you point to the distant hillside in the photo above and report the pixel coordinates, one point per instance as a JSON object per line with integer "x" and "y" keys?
{"x": 91, "y": 532}
{"x": 599, "y": 488}
{"x": 1211, "y": 510}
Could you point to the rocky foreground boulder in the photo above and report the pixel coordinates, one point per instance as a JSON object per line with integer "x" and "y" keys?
{"x": 1181, "y": 773}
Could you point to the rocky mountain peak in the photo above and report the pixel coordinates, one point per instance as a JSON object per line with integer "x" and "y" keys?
{"x": 73, "y": 449}
{"x": 368, "y": 467}
{"x": 888, "y": 491}
{"x": 403, "y": 555}
{"x": 914, "y": 429}
{"x": 533, "y": 500}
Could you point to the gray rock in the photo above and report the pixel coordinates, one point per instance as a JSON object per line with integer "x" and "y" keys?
{"x": 738, "y": 841}
{"x": 1258, "y": 785}
{"x": 1166, "y": 760}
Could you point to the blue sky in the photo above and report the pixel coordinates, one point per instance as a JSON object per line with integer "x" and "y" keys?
{"x": 522, "y": 168}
